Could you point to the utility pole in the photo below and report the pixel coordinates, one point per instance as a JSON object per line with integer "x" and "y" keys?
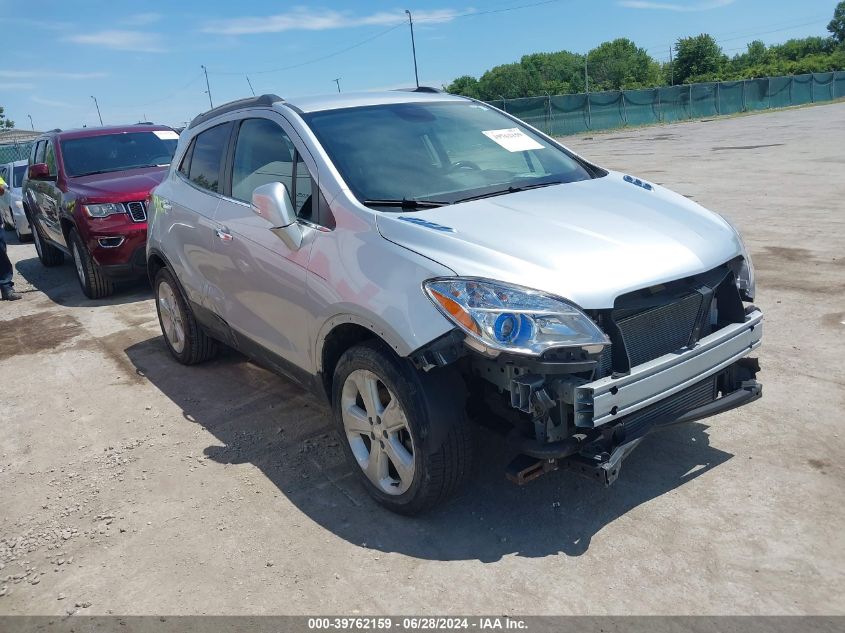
{"x": 671, "y": 67}
{"x": 337, "y": 81}
{"x": 586, "y": 77}
{"x": 250, "y": 85}
{"x": 207, "y": 87}
{"x": 100, "y": 116}
{"x": 31, "y": 124}
{"x": 413, "y": 47}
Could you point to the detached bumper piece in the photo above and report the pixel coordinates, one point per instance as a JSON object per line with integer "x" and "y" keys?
{"x": 598, "y": 453}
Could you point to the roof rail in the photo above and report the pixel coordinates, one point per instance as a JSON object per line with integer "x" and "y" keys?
{"x": 55, "y": 129}
{"x": 250, "y": 102}
{"x": 420, "y": 89}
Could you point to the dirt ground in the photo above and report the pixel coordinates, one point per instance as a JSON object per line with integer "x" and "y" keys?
{"x": 132, "y": 485}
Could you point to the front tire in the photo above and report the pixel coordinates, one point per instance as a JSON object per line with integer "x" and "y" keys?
{"x": 185, "y": 338}
{"x": 93, "y": 282}
{"x": 404, "y": 433}
{"x": 48, "y": 254}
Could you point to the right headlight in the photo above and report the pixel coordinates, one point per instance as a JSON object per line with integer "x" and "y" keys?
{"x": 103, "y": 210}
{"x": 513, "y": 319}
{"x": 745, "y": 277}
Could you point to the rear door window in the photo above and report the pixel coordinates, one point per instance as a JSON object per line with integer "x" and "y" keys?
{"x": 50, "y": 159}
{"x": 207, "y": 157}
{"x": 39, "y": 152}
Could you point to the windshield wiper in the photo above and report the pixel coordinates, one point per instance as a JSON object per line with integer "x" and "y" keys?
{"x": 404, "y": 203}
{"x": 94, "y": 173}
{"x": 511, "y": 189}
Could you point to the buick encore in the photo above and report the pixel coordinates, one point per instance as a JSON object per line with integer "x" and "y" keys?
{"x": 421, "y": 260}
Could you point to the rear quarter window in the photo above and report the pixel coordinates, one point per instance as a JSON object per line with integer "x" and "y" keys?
{"x": 207, "y": 156}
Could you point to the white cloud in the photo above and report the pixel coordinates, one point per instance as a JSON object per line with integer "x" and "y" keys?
{"x": 16, "y": 86}
{"x": 122, "y": 40}
{"x": 143, "y": 19}
{"x": 675, "y": 6}
{"x": 52, "y": 103}
{"x": 305, "y": 19}
{"x": 48, "y": 74}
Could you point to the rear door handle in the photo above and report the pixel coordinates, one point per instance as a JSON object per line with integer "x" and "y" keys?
{"x": 223, "y": 234}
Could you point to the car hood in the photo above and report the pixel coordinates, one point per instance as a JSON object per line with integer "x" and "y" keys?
{"x": 135, "y": 182}
{"x": 588, "y": 241}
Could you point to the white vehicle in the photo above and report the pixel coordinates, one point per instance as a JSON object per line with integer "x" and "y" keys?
{"x": 12, "y": 215}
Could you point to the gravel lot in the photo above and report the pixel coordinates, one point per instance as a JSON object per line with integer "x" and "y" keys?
{"x": 132, "y": 485}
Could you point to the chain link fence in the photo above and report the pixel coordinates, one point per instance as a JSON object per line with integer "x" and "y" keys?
{"x": 559, "y": 115}
{"x": 15, "y": 144}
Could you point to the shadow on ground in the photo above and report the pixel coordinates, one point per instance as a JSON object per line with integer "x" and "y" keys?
{"x": 262, "y": 419}
{"x": 61, "y": 286}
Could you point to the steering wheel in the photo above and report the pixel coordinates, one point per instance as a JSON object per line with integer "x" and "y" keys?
{"x": 465, "y": 164}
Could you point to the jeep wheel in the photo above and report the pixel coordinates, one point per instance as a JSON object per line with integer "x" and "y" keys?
{"x": 48, "y": 254}
{"x": 185, "y": 338}
{"x": 94, "y": 284}
{"x": 404, "y": 432}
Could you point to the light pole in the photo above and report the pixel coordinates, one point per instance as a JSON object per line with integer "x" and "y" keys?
{"x": 413, "y": 47}
{"x": 207, "y": 87}
{"x": 337, "y": 81}
{"x": 31, "y": 124}
{"x": 100, "y": 116}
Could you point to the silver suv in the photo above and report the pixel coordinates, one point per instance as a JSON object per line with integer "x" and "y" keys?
{"x": 421, "y": 260}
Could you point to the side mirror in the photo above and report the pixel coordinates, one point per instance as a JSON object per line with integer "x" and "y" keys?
{"x": 272, "y": 202}
{"x": 39, "y": 171}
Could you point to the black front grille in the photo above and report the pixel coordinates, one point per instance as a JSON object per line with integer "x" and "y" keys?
{"x": 660, "y": 330}
{"x": 137, "y": 211}
{"x": 672, "y": 407}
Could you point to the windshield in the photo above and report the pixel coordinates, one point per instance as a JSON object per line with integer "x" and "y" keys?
{"x": 437, "y": 152}
{"x": 17, "y": 175}
{"x": 116, "y": 152}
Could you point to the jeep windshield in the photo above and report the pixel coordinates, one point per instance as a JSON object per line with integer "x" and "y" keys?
{"x": 118, "y": 152}
{"x": 438, "y": 153}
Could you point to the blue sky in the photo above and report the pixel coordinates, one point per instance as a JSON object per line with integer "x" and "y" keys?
{"x": 143, "y": 59}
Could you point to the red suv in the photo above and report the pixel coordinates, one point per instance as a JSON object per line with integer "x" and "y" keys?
{"x": 85, "y": 195}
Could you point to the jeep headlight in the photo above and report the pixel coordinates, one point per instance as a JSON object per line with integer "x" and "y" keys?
{"x": 513, "y": 319}
{"x": 103, "y": 210}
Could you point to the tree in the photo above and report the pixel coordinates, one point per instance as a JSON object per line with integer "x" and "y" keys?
{"x": 619, "y": 64}
{"x": 837, "y": 24}
{"x": 465, "y": 85}
{"x": 698, "y": 58}
{"x": 5, "y": 124}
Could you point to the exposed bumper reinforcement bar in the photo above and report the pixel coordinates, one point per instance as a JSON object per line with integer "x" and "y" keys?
{"x": 598, "y": 455}
{"x": 608, "y": 399}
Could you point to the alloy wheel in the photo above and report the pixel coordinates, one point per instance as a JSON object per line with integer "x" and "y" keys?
{"x": 377, "y": 431}
{"x": 171, "y": 317}
{"x": 80, "y": 267}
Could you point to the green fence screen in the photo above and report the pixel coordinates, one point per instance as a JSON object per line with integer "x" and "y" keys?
{"x": 560, "y": 115}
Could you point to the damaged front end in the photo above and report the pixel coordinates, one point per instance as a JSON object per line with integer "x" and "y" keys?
{"x": 675, "y": 353}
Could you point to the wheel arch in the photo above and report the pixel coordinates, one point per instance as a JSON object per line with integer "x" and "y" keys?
{"x": 340, "y": 333}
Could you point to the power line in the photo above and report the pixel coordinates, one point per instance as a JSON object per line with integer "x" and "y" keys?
{"x": 380, "y": 34}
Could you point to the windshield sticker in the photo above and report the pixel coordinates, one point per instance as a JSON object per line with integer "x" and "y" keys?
{"x": 512, "y": 139}
{"x": 166, "y": 135}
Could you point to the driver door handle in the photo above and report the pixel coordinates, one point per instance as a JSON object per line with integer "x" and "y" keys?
{"x": 223, "y": 234}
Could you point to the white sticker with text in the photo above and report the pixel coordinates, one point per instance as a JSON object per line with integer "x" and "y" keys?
{"x": 512, "y": 139}
{"x": 166, "y": 135}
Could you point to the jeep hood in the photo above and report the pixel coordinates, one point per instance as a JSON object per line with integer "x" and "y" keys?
{"x": 122, "y": 185}
{"x": 588, "y": 241}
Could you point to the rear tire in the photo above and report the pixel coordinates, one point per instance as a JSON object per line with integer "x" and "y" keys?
{"x": 93, "y": 282}
{"x": 48, "y": 254}
{"x": 183, "y": 335}
{"x": 412, "y": 424}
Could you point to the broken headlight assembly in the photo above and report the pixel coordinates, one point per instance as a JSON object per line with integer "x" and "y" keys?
{"x": 506, "y": 318}
{"x": 745, "y": 277}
